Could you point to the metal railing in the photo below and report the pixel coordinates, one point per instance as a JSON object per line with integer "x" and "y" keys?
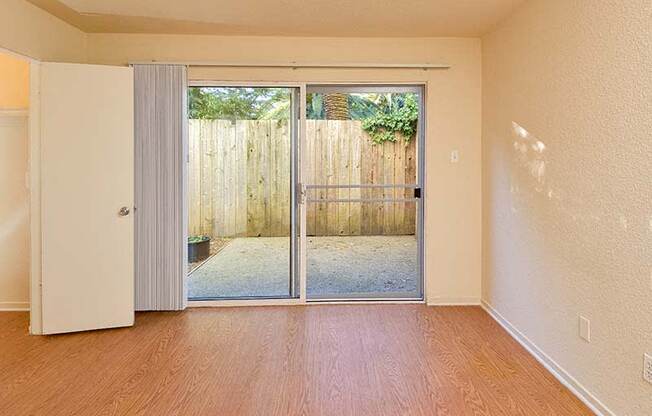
{"x": 304, "y": 189}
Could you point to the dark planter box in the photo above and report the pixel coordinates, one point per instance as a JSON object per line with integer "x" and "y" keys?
{"x": 199, "y": 251}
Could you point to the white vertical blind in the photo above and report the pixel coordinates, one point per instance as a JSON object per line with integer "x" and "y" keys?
{"x": 161, "y": 154}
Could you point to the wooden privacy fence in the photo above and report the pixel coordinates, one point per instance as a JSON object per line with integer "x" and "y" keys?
{"x": 239, "y": 179}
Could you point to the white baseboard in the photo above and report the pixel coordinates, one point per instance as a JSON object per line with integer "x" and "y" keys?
{"x": 453, "y": 301}
{"x": 560, "y": 374}
{"x": 14, "y": 306}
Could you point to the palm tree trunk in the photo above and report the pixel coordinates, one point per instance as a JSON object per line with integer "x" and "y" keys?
{"x": 336, "y": 106}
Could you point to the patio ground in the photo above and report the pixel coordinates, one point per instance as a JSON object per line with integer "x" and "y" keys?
{"x": 336, "y": 266}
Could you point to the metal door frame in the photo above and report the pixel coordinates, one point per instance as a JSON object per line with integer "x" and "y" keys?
{"x": 296, "y": 282}
{"x": 298, "y": 150}
{"x": 418, "y": 89}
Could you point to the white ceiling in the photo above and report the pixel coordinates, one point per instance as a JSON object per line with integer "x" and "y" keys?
{"x": 364, "y": 18}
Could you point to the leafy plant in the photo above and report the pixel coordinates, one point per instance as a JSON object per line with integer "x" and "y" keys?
{"x": 401, "y": 119}
{"x": 198, "y": 239}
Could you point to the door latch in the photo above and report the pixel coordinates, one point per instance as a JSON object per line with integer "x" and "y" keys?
{"x": 302, "y": 192}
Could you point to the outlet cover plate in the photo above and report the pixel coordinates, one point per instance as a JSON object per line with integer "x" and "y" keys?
{"x": 585, "y": 329}
{"x": 647, "y": 368}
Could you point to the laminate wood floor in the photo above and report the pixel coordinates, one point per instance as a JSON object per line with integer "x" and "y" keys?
{"x": 312, "y": 360}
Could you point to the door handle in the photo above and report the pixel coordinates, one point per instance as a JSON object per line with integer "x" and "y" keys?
{"x": 124, "y": 211}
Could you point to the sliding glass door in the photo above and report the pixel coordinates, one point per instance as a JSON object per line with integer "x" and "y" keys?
{"x": 241, "y": 199}
{"x": 354, "y": 225}
{"x": 362, "y": 181}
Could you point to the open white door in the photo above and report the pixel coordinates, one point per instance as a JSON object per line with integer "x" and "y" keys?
{"x": 87, "y": 177}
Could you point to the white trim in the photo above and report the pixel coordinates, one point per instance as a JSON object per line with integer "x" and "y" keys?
{"x": 13, "y": 118}
{"x": 14, "y": 306}
{"x": 291, "y": 302}
{"x": 14, "y": 112}
{"x": 296, "y": 65}
{"x": 243, "y": 303}
{"x": 244, "y": 84}
{"x": 35, "y": 317}
{"x": 301, "y": 155}
{"x": 454, "y": 301}
{"x": 555, "y": 369}
{"x": 367, "y": 87}
{"x": 367, "y": 302}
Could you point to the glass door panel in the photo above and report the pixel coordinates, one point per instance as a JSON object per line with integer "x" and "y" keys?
{"x": 363, "y": 192}
{"x": 241, "y": 172}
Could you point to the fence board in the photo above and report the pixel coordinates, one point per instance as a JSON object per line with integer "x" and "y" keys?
{"x": 378, "y": 220}
{"x": 330, "y": 161}
{"x": 321, "y": 137}
{"x": 218, "y": 188}
{"x": 239, "y": 179}
{"x": 354, "y": 177}
{"x": 399, "y": 177}
{"x": 342, "y": 152}
{"x": 409, "y": 213}
{"x": 308, "y": 171}
{"x": 255, "y": 209}
{"x": 194, "y": 180}
{"x": 242, "y": 131}
{"x": 367, "y": 170}
{"x": 207, "y": 178}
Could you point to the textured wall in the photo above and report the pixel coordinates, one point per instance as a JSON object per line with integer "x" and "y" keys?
{"x": 14, "y": 212}
{"x": 567, "y": 187}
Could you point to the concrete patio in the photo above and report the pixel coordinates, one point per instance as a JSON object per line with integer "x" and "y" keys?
{"x": 337, "y": 266}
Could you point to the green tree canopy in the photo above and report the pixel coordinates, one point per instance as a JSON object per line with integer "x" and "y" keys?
{"x": 240, "y": 103}
{"x": 383, "y": 115}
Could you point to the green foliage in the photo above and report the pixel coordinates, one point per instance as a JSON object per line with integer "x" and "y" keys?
{"x": 198, "y": 239}
{"x": 361, "y": 106}
{"x": 239, "y": 103}
{"x": 400, "y": 119}
{"x": 384, "y": 116}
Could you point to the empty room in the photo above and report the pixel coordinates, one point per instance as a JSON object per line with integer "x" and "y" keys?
{"x": 313, "y": 208}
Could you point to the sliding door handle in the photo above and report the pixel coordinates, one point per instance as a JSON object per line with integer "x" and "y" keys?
{"x": 302, "y": 193}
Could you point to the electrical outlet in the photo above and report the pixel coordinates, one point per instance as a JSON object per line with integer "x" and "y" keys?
{"x": 455, "y": 156}
{"x": 585, "y": 329}
{"x": 647, "y": 368}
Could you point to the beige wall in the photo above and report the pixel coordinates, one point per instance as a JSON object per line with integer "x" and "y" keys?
{"x": 28, "y": 30}
{"x": 14, "y": 231}
{"x": 453, "y": 212}
{"x": 567, "y": 195}
{"x": 14, "y": 213}
{"x": 14, "y": 82}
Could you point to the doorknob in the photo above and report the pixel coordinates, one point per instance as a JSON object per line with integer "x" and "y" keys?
{"x": 124, "y": 211}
